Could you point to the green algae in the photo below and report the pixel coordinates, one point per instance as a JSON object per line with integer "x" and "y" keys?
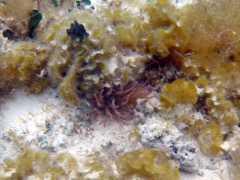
{"x": 144, "y": 164}
{"x": 147, "y": 164}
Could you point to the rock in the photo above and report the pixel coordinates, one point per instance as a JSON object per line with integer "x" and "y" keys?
{"x": 162, "y": 135}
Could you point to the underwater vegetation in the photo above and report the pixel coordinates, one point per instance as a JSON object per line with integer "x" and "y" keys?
{"x": 80, "y": 66}
{"x": 210, "y": 139}
{"x": 40, "y": 165}
{"x": 94, "y": 60}
{"x": 21, "y": 21}
{"x": 77, "y": 31}
{"x": 16, "y": 18}
{"x": 180, "y": 91}
{"x": 144, "y": 164}
{"x": 24, "y": 65}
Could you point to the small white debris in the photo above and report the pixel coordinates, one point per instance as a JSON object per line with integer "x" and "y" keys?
{"x": 69, "y": 128}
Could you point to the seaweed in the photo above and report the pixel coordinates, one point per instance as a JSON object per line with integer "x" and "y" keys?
{"x": 77, "y": 31}
{"x": 180, "y": 91}
{"x": 146, "y": 164}
{"x": 35, "y": 18}
{"x": 55, "y": 3}
{"x": 8, "y": 33}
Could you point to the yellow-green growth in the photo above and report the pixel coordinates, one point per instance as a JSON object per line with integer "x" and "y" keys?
{"x": 23, "y": 165}
{"x": 101, "y": 170}
{"x": 17, "y": 17}
{"x": 147, "y": 164}
{"x": 196, "y": 127}
{"x": 78, "y": 67}
{"x": 180, "y": 91}
{"x": 210, "y": 139}
{"x": 222, "y": 111}
{"x": 25, "y": 64}
{"x": 40, "y": 165}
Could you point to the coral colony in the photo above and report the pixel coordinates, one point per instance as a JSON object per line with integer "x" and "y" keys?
{"x": 116, "y": 58}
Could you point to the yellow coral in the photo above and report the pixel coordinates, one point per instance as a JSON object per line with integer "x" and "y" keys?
{"x": 180, "y": 91}
{"x": 147, "y": 164}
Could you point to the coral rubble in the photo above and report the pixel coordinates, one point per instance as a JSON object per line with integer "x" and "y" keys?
{"x": 165, "y": 136}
